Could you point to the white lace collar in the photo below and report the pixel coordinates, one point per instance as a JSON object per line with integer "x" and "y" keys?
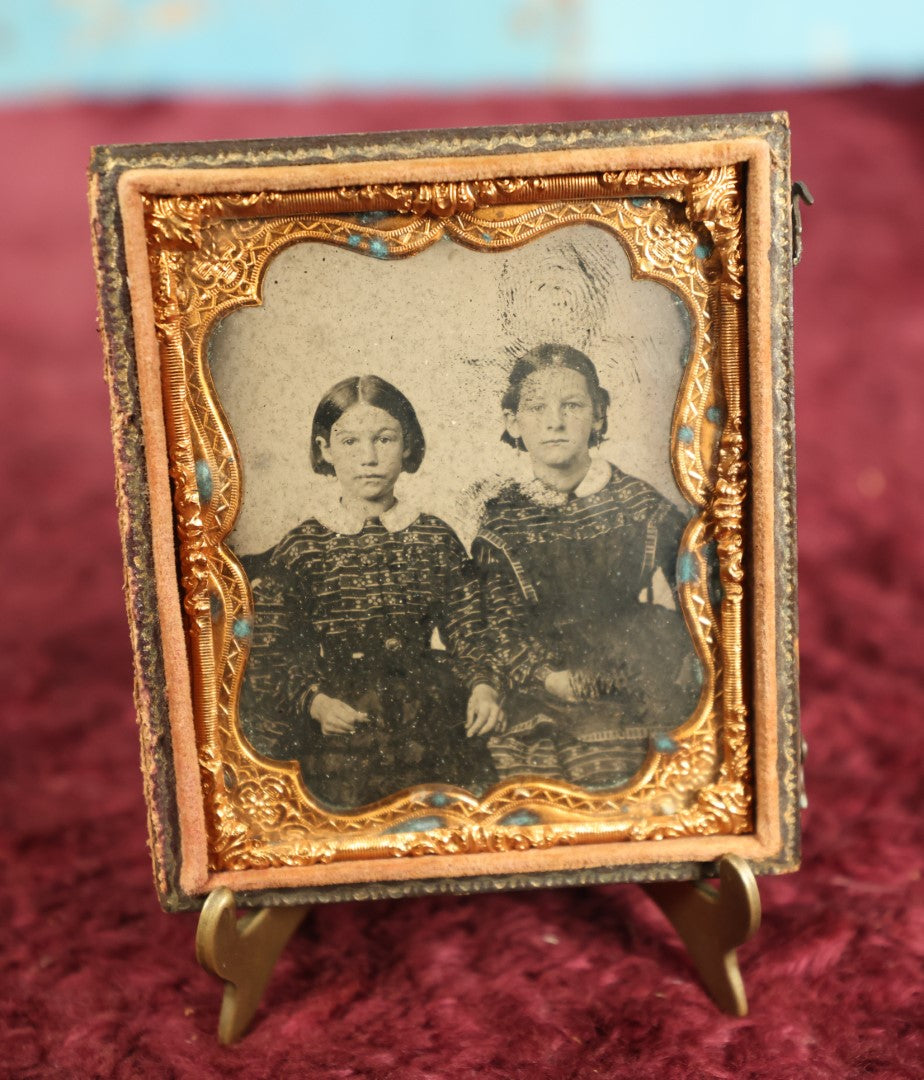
{"x": 336, "y": 517}
{"x": 595, "y": 479}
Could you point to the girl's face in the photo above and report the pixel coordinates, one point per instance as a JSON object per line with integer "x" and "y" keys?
{"x": 555, "y": 418}
{"x": 366, "y": 450}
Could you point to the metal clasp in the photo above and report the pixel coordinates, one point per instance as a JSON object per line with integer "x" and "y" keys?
{"x": 799, "y": 192}
{"x": 803, "y": 794}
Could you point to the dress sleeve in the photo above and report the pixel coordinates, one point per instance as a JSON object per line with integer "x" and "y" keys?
{"x": 462, "y": 626}
{"x": 284, "y": 667}
{"x": 670, "y": 526}
{"x": 523, "y": 658}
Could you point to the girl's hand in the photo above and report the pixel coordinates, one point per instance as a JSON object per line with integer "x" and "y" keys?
{"x": 335, "y": 716}
{"x": 484, "y": 712}
{"x": 558, "y": 684}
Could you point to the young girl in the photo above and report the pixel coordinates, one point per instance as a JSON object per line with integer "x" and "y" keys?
{"x": 567, "y": 562}
{"x": 342, "y": 674}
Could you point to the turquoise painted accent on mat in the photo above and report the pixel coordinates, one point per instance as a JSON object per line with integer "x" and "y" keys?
{"x": 664, "y": 744}
{"x": 687, "y": 570}
{"x": 699, "y": 672}
{"x": 204, "y": 481}
{"x": 520, "y": 817}
{"x": 420, "y": 824}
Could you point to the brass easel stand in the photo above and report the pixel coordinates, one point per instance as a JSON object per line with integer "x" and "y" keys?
{"x": 712, "y": 923}
{"x": 243, "y": 952}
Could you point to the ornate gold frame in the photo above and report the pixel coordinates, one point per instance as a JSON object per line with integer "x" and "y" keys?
{"x": 183, "y": 235}
{"x": 208, "y": 256}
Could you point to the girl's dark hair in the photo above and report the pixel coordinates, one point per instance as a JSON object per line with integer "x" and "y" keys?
{"x": 369, "y": 390}
{"x": 551, "y": 356}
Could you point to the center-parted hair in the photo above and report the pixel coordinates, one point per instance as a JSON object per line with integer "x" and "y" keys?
{"x": 366, "y": 390}
{"x": 556, "y": 356}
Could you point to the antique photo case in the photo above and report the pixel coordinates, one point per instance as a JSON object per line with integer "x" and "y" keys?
{"x": 456, "y": 486}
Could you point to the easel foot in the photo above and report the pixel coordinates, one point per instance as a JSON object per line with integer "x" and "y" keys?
{"x": 243, "y": 952}
{"x": 713, "y": 923}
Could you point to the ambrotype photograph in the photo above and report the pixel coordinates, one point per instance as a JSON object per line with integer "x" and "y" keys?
{"x": 460, "y": 522}
{"x": 456, "y": 492}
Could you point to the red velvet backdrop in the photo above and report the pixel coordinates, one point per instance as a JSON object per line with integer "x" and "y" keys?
{"x": 577, "y": 983}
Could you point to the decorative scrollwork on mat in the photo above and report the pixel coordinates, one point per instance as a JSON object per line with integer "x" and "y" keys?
{"x": 208, "y": 256}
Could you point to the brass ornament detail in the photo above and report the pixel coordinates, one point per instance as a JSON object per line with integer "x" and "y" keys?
{"x": 182, "y": 220}
{"x": 207, "y": 257}
{"x": 441, "y": 200}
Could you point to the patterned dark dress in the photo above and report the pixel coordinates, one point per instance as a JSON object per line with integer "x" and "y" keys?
{"x": 349, "y": 609}
{"x": 567, "y": 585}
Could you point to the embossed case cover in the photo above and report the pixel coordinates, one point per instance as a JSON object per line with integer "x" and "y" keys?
{"x": 772, "y": 655}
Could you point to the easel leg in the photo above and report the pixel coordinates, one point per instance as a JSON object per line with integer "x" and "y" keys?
{"x": 713, "y": 923}
{"x": 243, "y": 953}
